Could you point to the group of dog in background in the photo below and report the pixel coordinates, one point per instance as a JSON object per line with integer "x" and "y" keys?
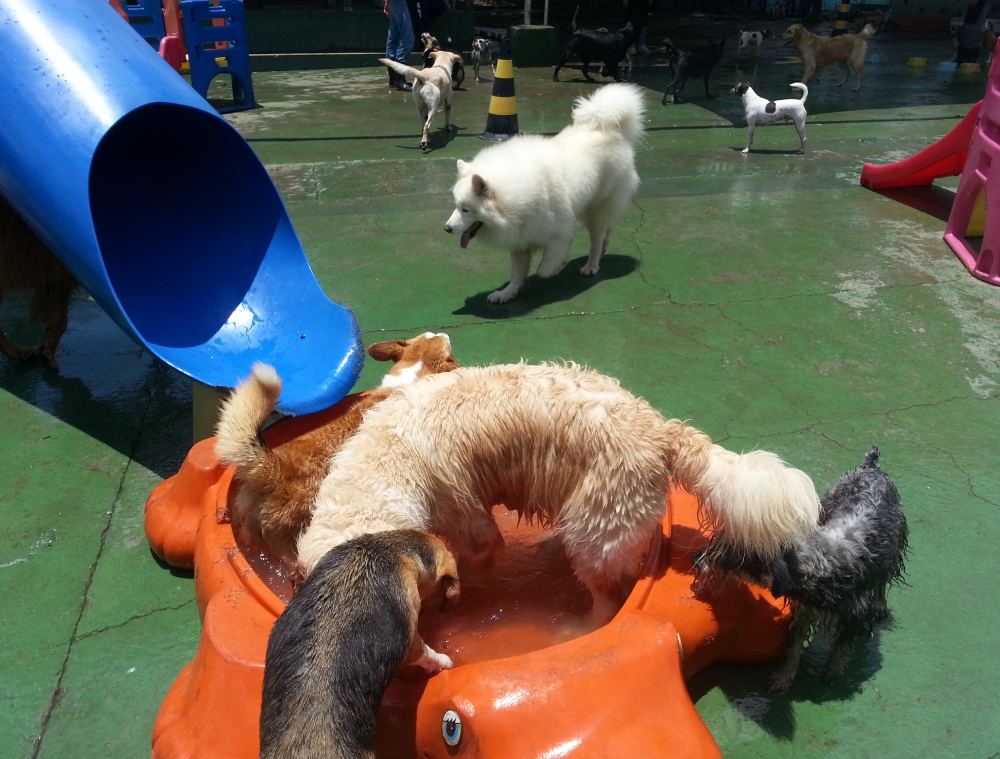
{"x": 443, "y": 73}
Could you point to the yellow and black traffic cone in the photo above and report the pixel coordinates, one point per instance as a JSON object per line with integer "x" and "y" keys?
{"x": 501, "y": 123}
{"x": 843, "y": 14}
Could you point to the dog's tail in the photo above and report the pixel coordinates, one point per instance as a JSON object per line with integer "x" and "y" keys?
{"x": 572, "y": 23}
{"x": 805, "y": 90}
{"x": 757, "y": 504}
{"x": 871, "y": 459}
{"x": 243, "y": 414}
{"x": 399, "y": 68}
{"x": 612, "y": 108}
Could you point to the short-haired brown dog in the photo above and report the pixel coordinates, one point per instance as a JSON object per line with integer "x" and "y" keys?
{"x": 26, "y": 264}
{"x": 817, "y": 53}
{"x": 279, "y": 485}
{"x": 334, "y": 649}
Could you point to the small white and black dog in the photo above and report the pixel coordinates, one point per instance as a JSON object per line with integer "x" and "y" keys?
{"x": 755, "y": 39}
{"x": 761, "y": 111}
{"x": 482, "y": 56}
{"x": 836, "y": 578}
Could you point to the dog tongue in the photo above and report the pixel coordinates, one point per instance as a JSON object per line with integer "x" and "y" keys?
{"x": 466, "y": 236}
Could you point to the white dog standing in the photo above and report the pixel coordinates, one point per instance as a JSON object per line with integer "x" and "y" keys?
{"x": 431, "y": 89}
{"x": 761, "y": 111}
{"x": 754, "y": 39}
{"x": 529, "y": 192}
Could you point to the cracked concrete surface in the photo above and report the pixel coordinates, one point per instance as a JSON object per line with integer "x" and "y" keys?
{"x": 769, "y": 299}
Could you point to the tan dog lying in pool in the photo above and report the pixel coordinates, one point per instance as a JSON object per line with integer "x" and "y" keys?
{"x": 279, "y": 485}
{"x": 559, "y": 444}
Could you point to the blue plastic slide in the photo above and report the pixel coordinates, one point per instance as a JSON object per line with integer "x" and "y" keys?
{"x": 159, "y": 207}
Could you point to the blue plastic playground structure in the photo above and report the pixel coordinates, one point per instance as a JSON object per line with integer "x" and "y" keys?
{"x": 159, "y": 207}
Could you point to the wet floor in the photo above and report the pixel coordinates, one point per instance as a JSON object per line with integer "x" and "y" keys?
{"x": 767, "y": 298}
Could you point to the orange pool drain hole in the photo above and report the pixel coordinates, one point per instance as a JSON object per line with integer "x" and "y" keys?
{"x": 534, "y": 678}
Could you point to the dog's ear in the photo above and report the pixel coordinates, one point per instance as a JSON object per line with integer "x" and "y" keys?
{"x": 450, "y": 591}
{"x": 781, "y": 577}
{"x": 479, "y": 185}
{"x": 390, "y": 350}
{"x": 463, "y": 167}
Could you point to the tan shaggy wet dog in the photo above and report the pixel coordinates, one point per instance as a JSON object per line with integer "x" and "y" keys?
{"x": 817, "y": 53}
{"x": 26, "y": 264}
{"x": 279, "y": 485}
{"x": 559, "y": 444}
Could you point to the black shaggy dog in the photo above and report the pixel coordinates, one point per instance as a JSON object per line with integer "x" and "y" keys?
{"x": 837, "y": 578}
{"x": 687, "y": 64}
{"x": 607, "y": 47}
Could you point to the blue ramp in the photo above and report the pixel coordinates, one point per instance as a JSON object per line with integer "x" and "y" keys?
{"x": 159, "y": 207}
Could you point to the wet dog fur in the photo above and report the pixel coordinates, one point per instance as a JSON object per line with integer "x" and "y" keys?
{"x": 438, "y": 454}
{"x": 847, "y": 51}
{"x": 691, "y": 64}
{"x": 333, "y": 651}
{"x": 279, "y": 485}
{"x": 27, "y": 265}
{"x": 836, "y": 577}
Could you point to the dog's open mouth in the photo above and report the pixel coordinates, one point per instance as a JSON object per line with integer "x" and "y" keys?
{"x": 470, "y": 233}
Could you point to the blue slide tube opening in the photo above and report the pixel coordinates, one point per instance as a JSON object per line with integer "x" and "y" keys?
{"x": 159, "y": 207}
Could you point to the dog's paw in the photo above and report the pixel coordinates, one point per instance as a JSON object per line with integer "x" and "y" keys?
{"x": 589, "y": 271}
{"x": 745, "y": 151}
{"x": 431, "y": 662}
{"x": 780, "y": 682}
{"x": 500, "y": 296}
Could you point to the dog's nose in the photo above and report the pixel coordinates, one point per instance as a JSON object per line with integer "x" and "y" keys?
{"x": 447, "y": 228}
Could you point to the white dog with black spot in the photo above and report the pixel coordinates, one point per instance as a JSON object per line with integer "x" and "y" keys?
{"x": 761, "y": 111}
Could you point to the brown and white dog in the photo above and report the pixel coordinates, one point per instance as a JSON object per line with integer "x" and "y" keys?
{"x": 432, "y": 89}
{"x": 279, "y": 486}
{"x": 26, "y": 264}
{"x": 333, "y": 651}
{"x": 431, "y": 45}
{"x": 817, "y": 53}
{"x": 555, "y": 443}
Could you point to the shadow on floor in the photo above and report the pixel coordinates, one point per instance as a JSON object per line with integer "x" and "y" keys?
{"x": 930, "y": 199}
{"x": 107, "y": 387}
{"x": 745, "y": 687}
{"x": 540, "y": 292}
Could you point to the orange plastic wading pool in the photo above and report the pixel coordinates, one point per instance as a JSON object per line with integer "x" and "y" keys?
{"x": 533, "y": 680}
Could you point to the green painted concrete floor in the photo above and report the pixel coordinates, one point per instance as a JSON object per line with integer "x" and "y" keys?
{"x": 768, "y": 298}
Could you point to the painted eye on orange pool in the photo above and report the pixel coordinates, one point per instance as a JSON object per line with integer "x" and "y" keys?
{"x": 451, "y": 728}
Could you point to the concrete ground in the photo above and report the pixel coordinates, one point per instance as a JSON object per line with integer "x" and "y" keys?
{"x": 769, "y": 299}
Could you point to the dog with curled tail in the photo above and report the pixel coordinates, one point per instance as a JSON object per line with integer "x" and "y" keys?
{"x": 333, "y": 651}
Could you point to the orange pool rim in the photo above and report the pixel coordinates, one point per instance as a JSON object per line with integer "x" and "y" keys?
{"x": 618, "y": 689}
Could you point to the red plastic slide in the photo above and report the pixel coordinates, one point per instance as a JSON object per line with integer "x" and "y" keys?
{"x": 944, "y": 158}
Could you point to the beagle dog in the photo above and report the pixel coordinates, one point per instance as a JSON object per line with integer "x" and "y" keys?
{"x": 333, "y": 651}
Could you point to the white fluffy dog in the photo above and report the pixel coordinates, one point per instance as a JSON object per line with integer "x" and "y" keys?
{"x": 529, "y": 192}
{"x": 758, "y": 110}
{"x": 431, "y": 89}
{"x": 559, "y": 444}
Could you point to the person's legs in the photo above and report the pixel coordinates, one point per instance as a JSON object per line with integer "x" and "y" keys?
{"x": 400, "y": 32}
